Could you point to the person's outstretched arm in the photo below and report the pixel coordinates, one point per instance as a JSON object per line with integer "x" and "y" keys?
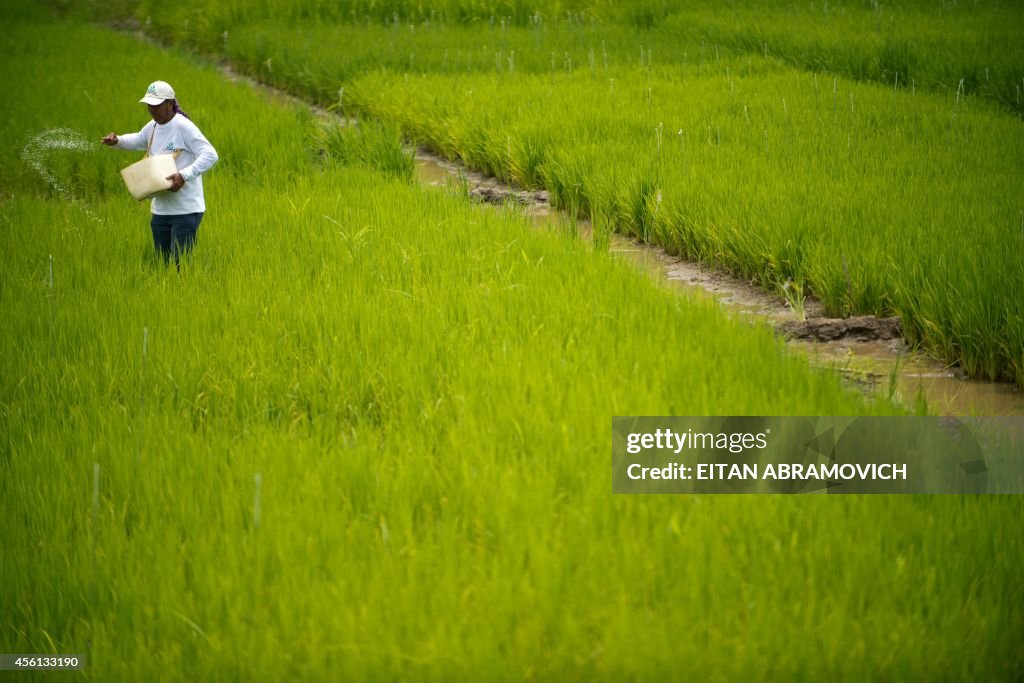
{"x": 133, "y": 142}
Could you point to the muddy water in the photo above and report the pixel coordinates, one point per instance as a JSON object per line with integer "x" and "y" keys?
{"x": 888, "y": 368}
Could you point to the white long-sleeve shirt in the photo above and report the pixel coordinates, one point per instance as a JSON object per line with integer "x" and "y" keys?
{"x": 197, "y": 156}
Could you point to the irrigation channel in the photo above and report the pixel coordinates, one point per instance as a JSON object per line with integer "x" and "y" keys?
{"x": 868, "y": 352}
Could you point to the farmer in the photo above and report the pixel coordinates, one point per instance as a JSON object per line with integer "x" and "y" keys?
{"x": 177, "y": 212}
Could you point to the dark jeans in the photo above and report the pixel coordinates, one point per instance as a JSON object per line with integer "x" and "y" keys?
{"x": 175, "y": 235}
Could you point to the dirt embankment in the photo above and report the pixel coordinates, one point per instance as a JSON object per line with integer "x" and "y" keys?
{"x": 731, "y": 290}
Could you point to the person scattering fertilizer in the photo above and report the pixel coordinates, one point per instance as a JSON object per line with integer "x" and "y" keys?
{"x": 177, "y": 212}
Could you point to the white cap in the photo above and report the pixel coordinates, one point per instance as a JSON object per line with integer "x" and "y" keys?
{"x": 157, "y": 92}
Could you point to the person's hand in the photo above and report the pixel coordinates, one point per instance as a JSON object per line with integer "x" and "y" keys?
{"x": 109, "y": 140}
{"x": 177, "y": 182}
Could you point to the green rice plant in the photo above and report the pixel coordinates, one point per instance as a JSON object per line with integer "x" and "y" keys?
{"x": 910, "y": 45}
{"x": 913, "y": 43}
{"x": 793, "y": 293}
{"x": 743, "y": 205}
{"x": 376, "y": 434}
{"x": 372, "y": 144}
{"x": 841, "y": 150}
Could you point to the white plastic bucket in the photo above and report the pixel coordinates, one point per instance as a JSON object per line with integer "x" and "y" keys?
{"x": 149, "y": 177}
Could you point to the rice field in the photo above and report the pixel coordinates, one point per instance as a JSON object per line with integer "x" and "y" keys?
{"x": 675, "y": 129}
{"x": 363, "y": 433}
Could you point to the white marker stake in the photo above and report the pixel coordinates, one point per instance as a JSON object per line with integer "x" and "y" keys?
{"x": 258, "y": 478}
